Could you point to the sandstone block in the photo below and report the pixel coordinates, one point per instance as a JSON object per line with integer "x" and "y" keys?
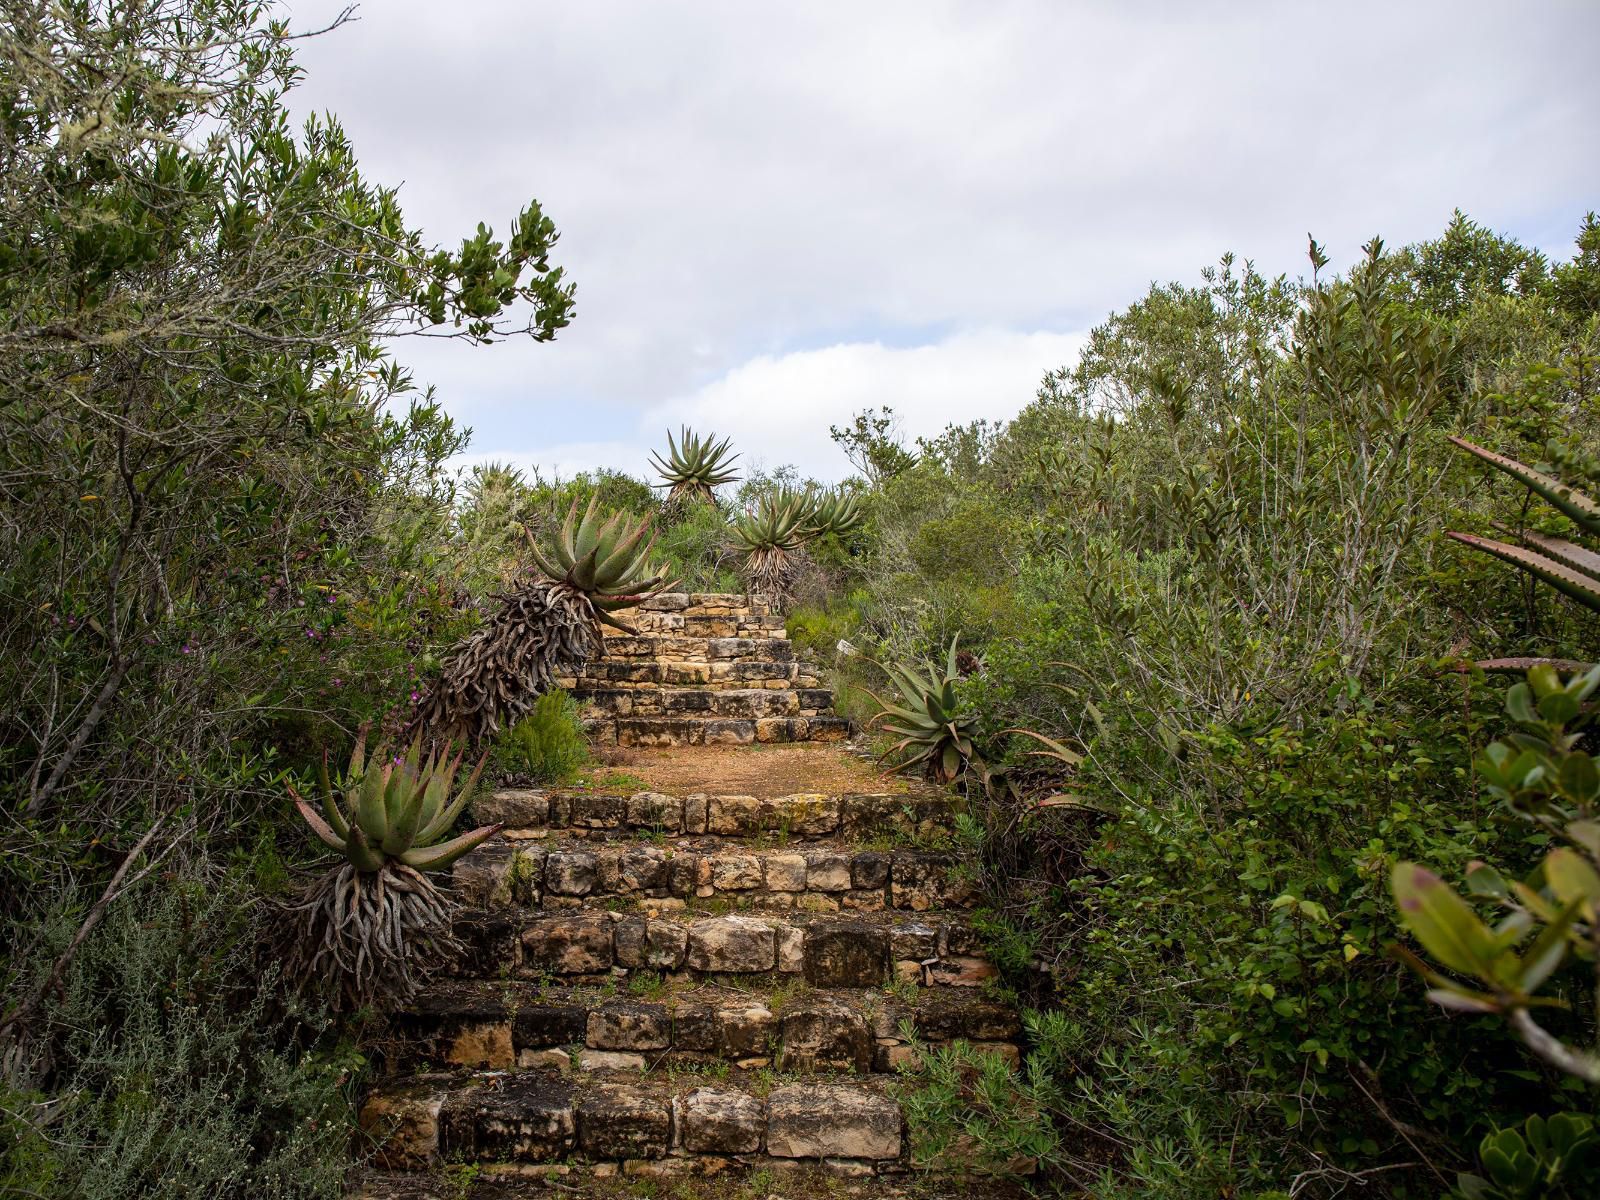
{"x": 814, "y": 1121}
{"x": 513, "y": 808}
{"x": 786, "y": 872}
{"x": 721, "y": 1122}
{"x": 539, "y": 1026}
{"x": 526, "y": 1120}
{"x": 735, "y": 872}
{"x": 827, "y": 871}
{"x": 623, "y": 1026}
{"x": 655, "y": 810}
{"x": 579, "y": 944}
{"x": 959, "y": 972}
{"x": 846, "y": 954}
{"x": 624, "y": 1122}
{"x": 732, "y": 944}
{"x": 570, "y": 872}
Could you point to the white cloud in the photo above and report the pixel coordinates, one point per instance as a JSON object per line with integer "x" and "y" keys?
{"x": 777, "y": 408}
{"x": 737, "y": 184}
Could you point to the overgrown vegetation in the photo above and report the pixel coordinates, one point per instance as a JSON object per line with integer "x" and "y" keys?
{"x": 1211, "y": 559}
{"x": 1218, "y": 667}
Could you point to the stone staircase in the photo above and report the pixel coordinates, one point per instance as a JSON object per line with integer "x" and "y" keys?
{"x": 705, "y": 669}
{"x": 662, "y": 987}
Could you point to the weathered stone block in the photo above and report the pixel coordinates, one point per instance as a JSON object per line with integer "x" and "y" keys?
{"x": 791, "y": 949}
{"x": 655, "y": 810}
{"x": 624, "y": 1122}
{"x": 579, "y": 944}
{"x": 728, "y": 732}
{"x": 665, "y": 945}
{"x": 735, "y": 872}
{"x": 694, "y": 812}
{"x": 642, "y": 869}
{"x": 542, "y": 1025}
{"x": 570, "y": 872}
{"x": 786, "y": 872}
{"x": 827, "y": 871}
{"x": 514, "y": 808}
{"x": 731, "y": 944}
{"x": 625, "y": 1026}
{"x": 721, "y": 1122}
{"x": 746, "y": 1031}
{"x": 919, "y": 942}
{"x": 869, "y": 869}
{"x": 826, "y": 1035}
{"x": 846, "y": 954}
{"x": 525, "y": 1120}
{"x": 959, "y": 972}
{"x": 815, "y": 1121}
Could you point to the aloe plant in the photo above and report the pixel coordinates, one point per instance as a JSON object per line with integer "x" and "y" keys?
{"x": 835, "y": 512}
{"x": 596, "y": 566}
{"x": 694, "y": 466}
{"x": 1570, "y": 568}
{"x": 395, "y": 812}
{"x": 934, "y": 734}
{"x": 368, "y": 930}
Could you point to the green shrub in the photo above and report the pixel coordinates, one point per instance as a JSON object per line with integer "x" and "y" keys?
{"x": 180, "y": 1068}
{"x": 548, "y": 745}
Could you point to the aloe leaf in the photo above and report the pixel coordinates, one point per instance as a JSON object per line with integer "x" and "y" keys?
{"x": 1056, "y": 749}
{"x": 370, "y": 818}
{"x": 361, "y": 853}
{"x": 321, "y": 828}
{"x": 1564, "y": 579}
{"x": 403, "y": 828}
{"x": 447, "y": 818}
{"x": 1440, "y": 919}
{"x": 1569, "y": 500}
{"x": 431, "y": 858}
{"x": 1579, "y": 558}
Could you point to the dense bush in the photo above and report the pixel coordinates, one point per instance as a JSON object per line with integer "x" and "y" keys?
{"x": 177, "y": 1073}
{"x": 1213, "y": 558}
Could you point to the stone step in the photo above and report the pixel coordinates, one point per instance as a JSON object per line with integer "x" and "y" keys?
{"x": 855, "y": 816}
{"x": 865, "y": 950}
{"x": 504, "y": 1024}
{"x": 661, "y": 732}
{"x": 608, "y": 677}
{"x": 782, "y": 1179}
{"x": 569, "y": 873}
{"x": 700, "y": 1127}
{"x": 707, "y": 702}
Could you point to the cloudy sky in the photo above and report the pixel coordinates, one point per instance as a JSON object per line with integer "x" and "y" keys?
{"x": 780, "y": 214}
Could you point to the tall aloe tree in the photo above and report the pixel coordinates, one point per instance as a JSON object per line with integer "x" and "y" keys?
{"x": 693, "y": 467}
{"x": 595, "y": 568}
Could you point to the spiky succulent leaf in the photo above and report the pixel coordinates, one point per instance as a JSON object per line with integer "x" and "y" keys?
{"x": 432, "y": 858}
{"x": 1579, "y": 586}
{"x": 1575, "y": 504}
{"x": 607, "y": 560}
{"x": 933, "y": 732}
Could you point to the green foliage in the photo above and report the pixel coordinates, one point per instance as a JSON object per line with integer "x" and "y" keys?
{"x": 1211, "y": 559}
{"x": 548, "y": 745}
{"x": 1541, "y": 775}
{"x": 178, "y": 1073}
{"x": 1543, "y": 1160}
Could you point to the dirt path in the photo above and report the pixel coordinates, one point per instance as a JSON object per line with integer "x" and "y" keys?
{"x": 763, "y": 771}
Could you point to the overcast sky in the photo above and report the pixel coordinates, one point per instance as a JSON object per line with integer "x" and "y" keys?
{"x": 777, "y": 215}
